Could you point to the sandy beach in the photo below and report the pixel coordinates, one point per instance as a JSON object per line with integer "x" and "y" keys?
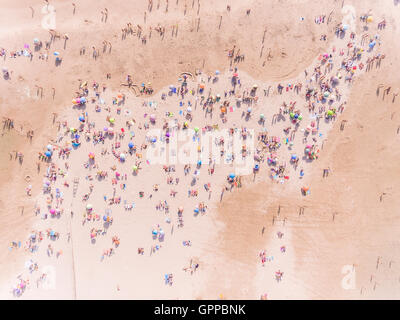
{"x": 199, "y": 150}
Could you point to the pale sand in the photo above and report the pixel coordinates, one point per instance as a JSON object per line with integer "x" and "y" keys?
{"x": 227, "y": 240}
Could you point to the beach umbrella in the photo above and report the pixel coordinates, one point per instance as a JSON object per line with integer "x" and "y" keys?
{"x": 122, "y": 156}
{"x": 105, "y": 129}
{"x": 196, "y": 129}
{"x": 249, "y": 110}
{"x": 111, "y": 120}
{"x": 189, "y": 109}
{"x": 56, "y": 53}
{"x": 154, "y": 232}
{"x": 217, "y": 72}
{"x": 167, "y": 134}
{"x": 81, "y": 119}
{"x": 345, "y": 27}
{"x": 52, "y": 211}
{"x": 232, "y": 175}
{"x": 196, "y": 210}
{"x": 89, "y": 206}
{"x": 370, "y": 19}
{"x": 110, "y": 130}
{"x": 153, "y": 140}
{"x": 130, "y": 145}
{"x": 52, "y": 233}
{"x": 262, "y": 116}
{"x": 180, "y": 209}
{"x": 135, "y": 168}
{"x": 300, "y": 117}
{"x": 152, "y": 117}
{"x": 255, "y": 86}
{"x": 91, "y": 155}
{"x": 72, "y": 130}
{"x": 35, "y": 40}
{"x": 48, "y": 154}
{"x": 49, "y": 147}
{"x": 372, "y": 44}
{"x": 326, "y": 94}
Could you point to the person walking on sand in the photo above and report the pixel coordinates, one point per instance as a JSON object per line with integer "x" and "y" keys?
{"x": 94, "y": 54}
